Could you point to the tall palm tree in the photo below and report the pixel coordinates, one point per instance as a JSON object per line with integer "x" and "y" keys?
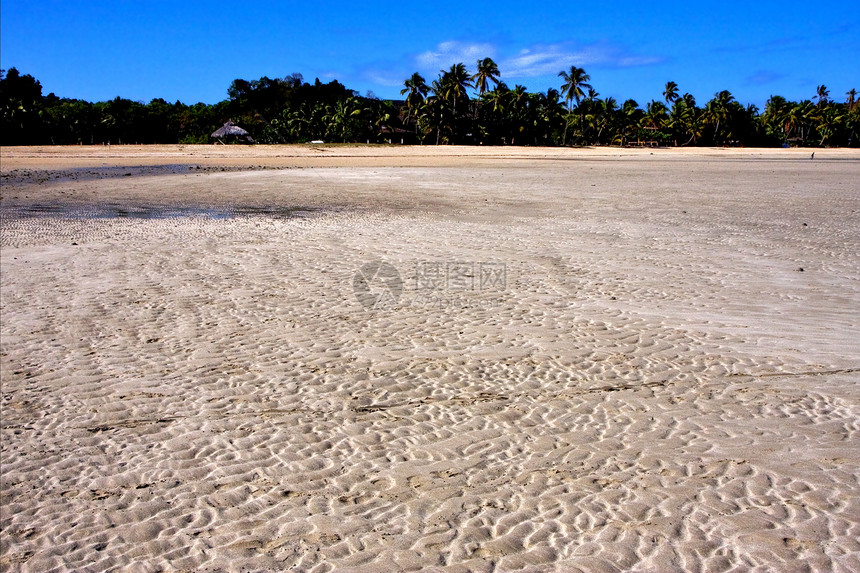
{"x": 656, "y": 115}
{"x": 852, "y": 98}
{"x": 827, "y": 122}
{"x": 384, "y": 118}
{"x": 684, "y": 122}
{"x": 775, "y": 117}
{"x": 575, "y": 80}
{"x": 670, "y": 93}
{"x": 342, "y": 119}
{"x": 548, "y": 116}
{"x": 689, "y": 100}
{"x": 852, "y": 118}
{"x": 589, "y": 110}
{"x": 607, "y": 110}
{"x": 822, "y": 93}
{"x": 717, "y": 110}
{"x": 518, "y": 100}
{"x": 491, "y": 113}
{"x": 417, "y": 89}
{"x": 307, "y": 123}
{"x": 487, "y": 72}
{"x": 799, "y": 118}
{"x": 454, "y": 83}
{"x": 630, "y": 116}
{"x": 439, "y": 111}
{"x": 496, "y": 97}
{"x": 552, "y": 100}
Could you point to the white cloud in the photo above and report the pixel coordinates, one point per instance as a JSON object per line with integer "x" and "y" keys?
{"x": 762, "y": 77}
{"x": 544, "y": 60}
{"x": 633, "y": 61}
{"x": 534, "y": 60}
{"x": 550, "y": 59}
{"x": 383, "y": 78}
{"x": 453, "y": 52}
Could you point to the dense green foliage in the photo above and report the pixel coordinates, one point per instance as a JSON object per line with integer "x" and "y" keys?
{"x": 456, "y": 107}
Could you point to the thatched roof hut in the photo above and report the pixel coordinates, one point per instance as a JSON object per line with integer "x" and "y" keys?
{"x": 231, "y": 131}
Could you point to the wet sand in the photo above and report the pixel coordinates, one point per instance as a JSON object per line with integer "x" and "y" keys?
{"x": 349, "y": 358}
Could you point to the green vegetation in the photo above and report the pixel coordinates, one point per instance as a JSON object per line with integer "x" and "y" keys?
{"x": 457, "y": 107}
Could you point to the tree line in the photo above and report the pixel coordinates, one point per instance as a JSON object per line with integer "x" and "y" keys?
{"x": 456, "y": 107}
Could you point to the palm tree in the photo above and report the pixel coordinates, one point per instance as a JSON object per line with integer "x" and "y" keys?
{"x": 589, "y": 110}
{"x": 828, "y": 121}
{"x": 655, "y": 115}
{"x": 852, "y": 118}
{"x": 487, "y": 72}
{"x": 670, "y": 94}
{"x": 605, "y": 119}
{"x": 630, "y": 115}
{"x": 342, "y": 119}
{"x": 852, "y": 99}
{"x": 383, "y": 117}
{"x": 430, "y": 117}
{"x": 518, "y": 110}
{"x": 717, "y": 110}
{"x": 689, "y": 100}
{"x": 572, "y": 89}
{"x": 452, "y": 86}
{"x": 417, "y": 89}
{"x": 437, "y": 111}
{"x": 799, "y": 118}
{"x": 454, "y": 83}
{"x": 548, "y": 115}
{"x": 297, "y": 122}
{"x": 684, "y": 121}
{"x": 822, "y": 93}
{"x": 775, "y": 117}
{"x": 491, "y": 114}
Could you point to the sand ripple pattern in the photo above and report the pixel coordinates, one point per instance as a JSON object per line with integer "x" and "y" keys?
{"x": 645, "y": 393}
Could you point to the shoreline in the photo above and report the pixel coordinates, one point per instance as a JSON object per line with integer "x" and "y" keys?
{"x": 73, "y": 177}
{"x": 473, "y": 361}
{"x": 355, "y": 155}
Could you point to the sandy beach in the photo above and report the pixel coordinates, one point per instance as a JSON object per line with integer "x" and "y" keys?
{"x": 382, "y": 358}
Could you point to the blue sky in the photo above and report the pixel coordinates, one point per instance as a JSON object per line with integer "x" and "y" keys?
{"x": 191, "y": 51}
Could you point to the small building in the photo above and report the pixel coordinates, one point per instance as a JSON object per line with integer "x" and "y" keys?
{"x": 397, "y": 135}
{"x": 232, "y": 132}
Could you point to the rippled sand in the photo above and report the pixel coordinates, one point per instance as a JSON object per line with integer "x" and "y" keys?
{"x": 456, "y": 359}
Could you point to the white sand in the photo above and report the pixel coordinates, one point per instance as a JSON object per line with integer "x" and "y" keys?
{"x": 655, "y": 387}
